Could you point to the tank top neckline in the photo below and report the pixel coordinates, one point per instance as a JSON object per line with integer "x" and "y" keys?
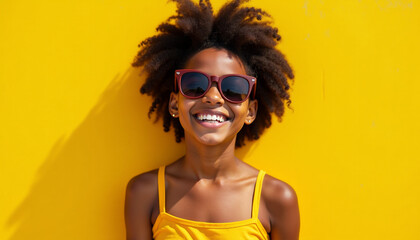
{"x": 254, "y": 215}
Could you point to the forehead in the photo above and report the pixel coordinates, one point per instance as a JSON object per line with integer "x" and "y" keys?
{"x": 216, "y": 62}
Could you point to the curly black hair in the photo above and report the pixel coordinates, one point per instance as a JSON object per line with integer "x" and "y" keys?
{"x": 243, "y": 31}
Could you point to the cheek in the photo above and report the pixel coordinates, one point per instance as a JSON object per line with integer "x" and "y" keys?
{"x": 184, "y": 107}
{"x": 240, "y": 111}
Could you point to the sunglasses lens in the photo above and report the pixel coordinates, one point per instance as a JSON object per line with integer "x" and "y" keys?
{"x": 235, "y": 88}
{"x": 194, "y": 84}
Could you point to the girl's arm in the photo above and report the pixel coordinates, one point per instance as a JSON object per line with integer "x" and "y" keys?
{"x": 281, "y": 202}
{"x": 140, "y": 196}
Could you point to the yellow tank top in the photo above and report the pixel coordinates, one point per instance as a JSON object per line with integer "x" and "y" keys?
{"x": 168, "y": 226}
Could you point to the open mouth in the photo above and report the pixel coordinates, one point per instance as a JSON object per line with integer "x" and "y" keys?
{"x": 211, "y": 118}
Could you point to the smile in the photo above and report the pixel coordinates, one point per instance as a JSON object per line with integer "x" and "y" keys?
{"x": 210, "y": 117}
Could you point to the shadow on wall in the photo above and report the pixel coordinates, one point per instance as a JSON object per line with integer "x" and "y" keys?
{"x": 79, "y": 192}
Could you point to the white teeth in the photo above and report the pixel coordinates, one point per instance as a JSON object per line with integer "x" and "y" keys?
{"x": 208, "y": 117}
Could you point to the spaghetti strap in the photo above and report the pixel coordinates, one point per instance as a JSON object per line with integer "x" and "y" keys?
{"x": 257, "y": 194}
{"x": 161, "y": 188}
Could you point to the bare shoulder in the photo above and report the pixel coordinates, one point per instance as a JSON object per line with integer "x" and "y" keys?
{"x": 143, "y": 184}
{"x": 141, "y": 196}
{"x": 278, "y": 193}
{"x": 281, "y": 202}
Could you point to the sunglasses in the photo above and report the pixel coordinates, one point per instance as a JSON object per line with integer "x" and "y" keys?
{"x": 234, "y": 88}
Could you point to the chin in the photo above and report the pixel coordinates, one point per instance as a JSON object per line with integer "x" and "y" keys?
{"x": 213, "y": 140}
{"x": 209, "y": 140}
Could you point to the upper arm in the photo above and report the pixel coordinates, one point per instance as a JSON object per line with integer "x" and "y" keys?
{"x": 141, "y": 193}
{"x": 282, "y": 204}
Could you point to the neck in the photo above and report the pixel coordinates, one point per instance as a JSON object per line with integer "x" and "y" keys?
{"x": 210, "y": 162}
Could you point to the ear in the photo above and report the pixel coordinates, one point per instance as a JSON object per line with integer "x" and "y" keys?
{"x": 252, "y": 111}
{"x": 173, "y": 104}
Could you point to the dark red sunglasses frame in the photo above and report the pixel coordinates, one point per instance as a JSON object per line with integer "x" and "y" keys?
{"x": 251, "y": 80}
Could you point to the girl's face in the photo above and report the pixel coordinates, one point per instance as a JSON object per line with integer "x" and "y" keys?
{"x": 194, "y": 113}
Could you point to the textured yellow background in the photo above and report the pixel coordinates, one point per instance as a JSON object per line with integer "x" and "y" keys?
{"x": 74, "y": 130}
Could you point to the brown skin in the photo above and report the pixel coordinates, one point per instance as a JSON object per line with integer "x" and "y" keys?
{"x": 209, "y": 178}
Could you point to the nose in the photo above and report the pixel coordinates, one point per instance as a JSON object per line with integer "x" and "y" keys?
{"x": 213, "y": 96}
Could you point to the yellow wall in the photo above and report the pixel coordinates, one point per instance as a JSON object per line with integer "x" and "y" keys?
{"x": 74, "y": 128}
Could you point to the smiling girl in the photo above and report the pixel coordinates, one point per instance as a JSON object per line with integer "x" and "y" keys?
{"x": 216, "y": 79}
